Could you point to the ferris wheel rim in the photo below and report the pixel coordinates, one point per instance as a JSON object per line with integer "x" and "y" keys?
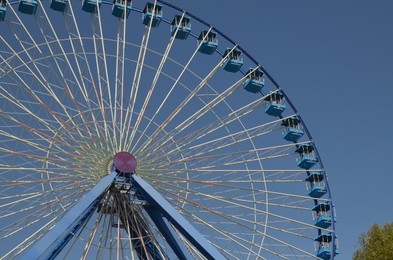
{"x": 278, "y": 88}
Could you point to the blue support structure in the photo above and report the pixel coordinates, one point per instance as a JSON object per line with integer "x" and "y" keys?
{"x": 141, "y": 238}
{"x": 234, "y": 61}
{"x": 123, "y": 182}
{"x": 152, "y": 13}
{"x": 119, "y": 6}
{"x": 169, "y": 233}
{"x": 3, "y": 9}
{"x": 59, "y": 5}
{"x": 91, "y": 6}
{"x": 176, "y": 219}
{"x": 293, "y": 131}
{"x": 275, "y": 104}
{"x": 27, "y": 6}
{"x": 208, "y": 42}
{"x": 53, "y": 241}
{"x": 306, "y": 158}
{"x": 254, "y": 82}
{"x": 182, "y": 26}
{"x": 315, "y": 186}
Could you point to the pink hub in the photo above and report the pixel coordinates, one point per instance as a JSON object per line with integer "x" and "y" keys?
{"x": 124, "y": 162}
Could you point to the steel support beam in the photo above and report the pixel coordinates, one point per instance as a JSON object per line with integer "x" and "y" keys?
{"x": 140, "y": 237}
{"x": 176, "y": 219}
{"x": 168, "y": 232}
{"x": 52, "y": 242}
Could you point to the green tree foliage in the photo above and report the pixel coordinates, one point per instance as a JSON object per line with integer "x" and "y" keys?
{"x": 376, "y": 244}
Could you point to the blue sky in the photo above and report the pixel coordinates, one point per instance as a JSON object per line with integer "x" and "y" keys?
{"x": 334, "y": 59}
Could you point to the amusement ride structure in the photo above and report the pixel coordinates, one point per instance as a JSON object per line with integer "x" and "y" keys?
{"x": 136, "y": 130}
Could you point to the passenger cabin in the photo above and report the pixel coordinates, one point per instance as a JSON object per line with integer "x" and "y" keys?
{"x": 119, "y": 6}
{"x": 306, "y": 158}
{"x": 27, "y": 6}
{"x": 3, "y": 9}
{"x": 152, "y": 12}
{"x": 275, "y": 104}
{"x": 254, "y": 82}
{"x": 91, "y": 6}
{"x": 208, "y": 42}
{"x": 182, "y": 26}
{"x": 292, "y": 129}
{"x": 315, "y": 185}
{"x": 322, "y": 215}
{"x": 234, "y": 60}
{"x": 323, "y": 246}
{"x": 59, "y": 5}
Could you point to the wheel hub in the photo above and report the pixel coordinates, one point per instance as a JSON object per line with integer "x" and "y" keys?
{"x": 124, "y": 162}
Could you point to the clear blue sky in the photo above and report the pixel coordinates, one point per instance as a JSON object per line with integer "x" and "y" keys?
{"x": 334, "y": 59}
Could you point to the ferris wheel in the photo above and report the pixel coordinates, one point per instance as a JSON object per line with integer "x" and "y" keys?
{"x": 136, "y": 130}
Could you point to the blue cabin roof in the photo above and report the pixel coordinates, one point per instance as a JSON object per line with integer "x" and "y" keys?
{"x": 255, "y": 73}
{"x": 327, "y": 238}
{"x": 305, "y": 148}
{"x": 315, "y": 177}
{"x": 211, "y": 36}
{"x": 276, "y": 96}
{"x": 149, "y": 8}
{"x": 177, "y": 20}
{"x": 291, "y": 121}
{"x": 324, "y": 207}
{"x": 233, "y": 54}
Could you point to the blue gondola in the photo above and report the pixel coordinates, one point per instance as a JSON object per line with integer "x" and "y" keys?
{"x": 255, "y": 81}
{"x": 3, "y": 9}
{"x": 152, "y": 13}
{"x": 208, "y": 42}
{"x": 323, "y": 246}
{"x": 118, "y": 8}
{"x": 27, "y": 6}
{"x": 306, "y": 158}
{"x": 234, "y": 60}
{"x": 315, "y": 186}
{"x": 275, "y": 104}
{"x": 322, "y": 217}
{"x": 293, "y": 130}
{"x": 91, "y": 6}
{"x": 59, "y": 5}
{"x": 182, "y": 25}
